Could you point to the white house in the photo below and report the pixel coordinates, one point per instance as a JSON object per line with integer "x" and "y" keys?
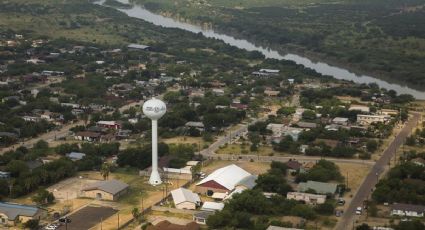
{"x": 410, "y": 210}
{"x": 340, "y": 121}
{"x": 369, "y": 119}
{"x": 185, "y": 199}
{"x": 362, "y": 108}
{"x": 75, "y": 156}
{"x": 308, "y": 198}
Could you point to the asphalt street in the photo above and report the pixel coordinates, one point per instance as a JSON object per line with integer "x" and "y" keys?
{"x": 365, "y": 189}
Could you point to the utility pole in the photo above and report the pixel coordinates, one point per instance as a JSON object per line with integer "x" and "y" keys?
{"x": 346, "y": 181}
{"x": 118, "y": 216}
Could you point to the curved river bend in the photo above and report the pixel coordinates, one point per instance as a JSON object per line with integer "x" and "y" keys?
{"x": 339, "y": 73}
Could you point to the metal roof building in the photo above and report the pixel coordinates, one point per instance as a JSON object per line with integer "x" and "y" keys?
{"x": 222, "y": 180}
{"x": 185, "y": 199}
{"x": 107, "y": 190}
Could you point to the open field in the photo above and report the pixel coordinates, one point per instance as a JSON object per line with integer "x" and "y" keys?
{"x": 196, "y": 141}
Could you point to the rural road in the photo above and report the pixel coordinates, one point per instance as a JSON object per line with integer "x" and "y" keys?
{"x": 370, "y": 181}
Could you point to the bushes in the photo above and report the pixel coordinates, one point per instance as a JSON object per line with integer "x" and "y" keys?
{"x": 240, "y": 210}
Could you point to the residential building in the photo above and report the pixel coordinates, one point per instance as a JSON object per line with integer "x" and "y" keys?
{"x": 318, "y": 187}
{"x": 369, "y": 119}
{"x": 308, "y": 125}
{"x": 11, "y": 213}
{"x": 4, "y": 175}
{"x": 105, "y": 190}
{"x": 185, "y": 199}
{"x": 418, "y": 161}
{"x": 271, "y": 93}
{"x": 340, "y": 121}
{"x": 87, "y": 136}
{"x": 410, "y": 210}
{"x": 276, "y": 129}
{"x": 308, "y": 198}
{"x": 75, "y": 156}
{"x": 362, "y": 108}
{"x": 202, "y": 216}
{"x": 195, "y": 124}
{"x": 109, "y": 124}
{"x": 294, "y": 166}
{"x": 137, "y": 47}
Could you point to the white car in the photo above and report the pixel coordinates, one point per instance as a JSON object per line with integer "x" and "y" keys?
{"x": 358, "y": 210}
{"x": 51, "y": 227}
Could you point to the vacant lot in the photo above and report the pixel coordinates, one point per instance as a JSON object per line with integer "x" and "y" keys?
{"x": 70, "y": 188}
{"x": 88, "y": 217}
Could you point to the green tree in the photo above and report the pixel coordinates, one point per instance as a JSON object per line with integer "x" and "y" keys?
{"x": 43, "y": 197}
{"x": 32, "y": 224}
{"x": 371, "y": 146}
{"x": 363, "y": 226}
{"x": 105, "y": 170}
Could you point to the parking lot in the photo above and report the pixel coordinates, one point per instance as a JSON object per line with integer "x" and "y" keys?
{"x": 88, "y": 217}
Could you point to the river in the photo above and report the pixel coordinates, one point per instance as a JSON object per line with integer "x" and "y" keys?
{"x": 339, "y": 73}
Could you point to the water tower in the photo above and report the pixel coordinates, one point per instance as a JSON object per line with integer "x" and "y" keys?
{"x": 154, "y": 109}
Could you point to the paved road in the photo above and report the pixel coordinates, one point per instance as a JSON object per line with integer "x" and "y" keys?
{"x": 210, "y": 151}
{"x": 62, "y": 132}
{"x": 49, "y": 136}
{"x": 370, "y": 181}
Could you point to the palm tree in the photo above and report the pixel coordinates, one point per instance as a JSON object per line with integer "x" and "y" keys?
{"x": 105, "y": 170}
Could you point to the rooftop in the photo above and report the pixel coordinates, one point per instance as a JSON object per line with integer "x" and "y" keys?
{"x": 110, "y": 186}
{"x": 227, "y": 176}
{"x": 14, "y": 210}
{"x": 181, "y": 195}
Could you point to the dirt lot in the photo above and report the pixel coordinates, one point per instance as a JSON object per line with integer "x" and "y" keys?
{"x": 70, "y": 188}
{"x": 88, "y": 217}
{"x": 355, "y": 173}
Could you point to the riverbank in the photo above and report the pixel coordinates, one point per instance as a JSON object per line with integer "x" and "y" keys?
{"x": 323, "y": 68}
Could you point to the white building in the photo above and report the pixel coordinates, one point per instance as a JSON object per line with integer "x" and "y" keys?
{"x": 222, "y": 180}
{"x": 369, "y": 119}
{"x": 185, "y": 199}
{"x": 410, "y": 210}
{"x": 308, "y": 198}
{"x": 362, "y": 108}
{"x": 212, "y": 206}
{"x": 340, "y": 121}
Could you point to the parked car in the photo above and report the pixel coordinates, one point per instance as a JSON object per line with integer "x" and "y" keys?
{"x": 358, "y": 210}
{"x": 338, "y": 213}
{"x": 341, "y": 201}
{"x": 51, "y": 227}
{"x": 65, "y": 220}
